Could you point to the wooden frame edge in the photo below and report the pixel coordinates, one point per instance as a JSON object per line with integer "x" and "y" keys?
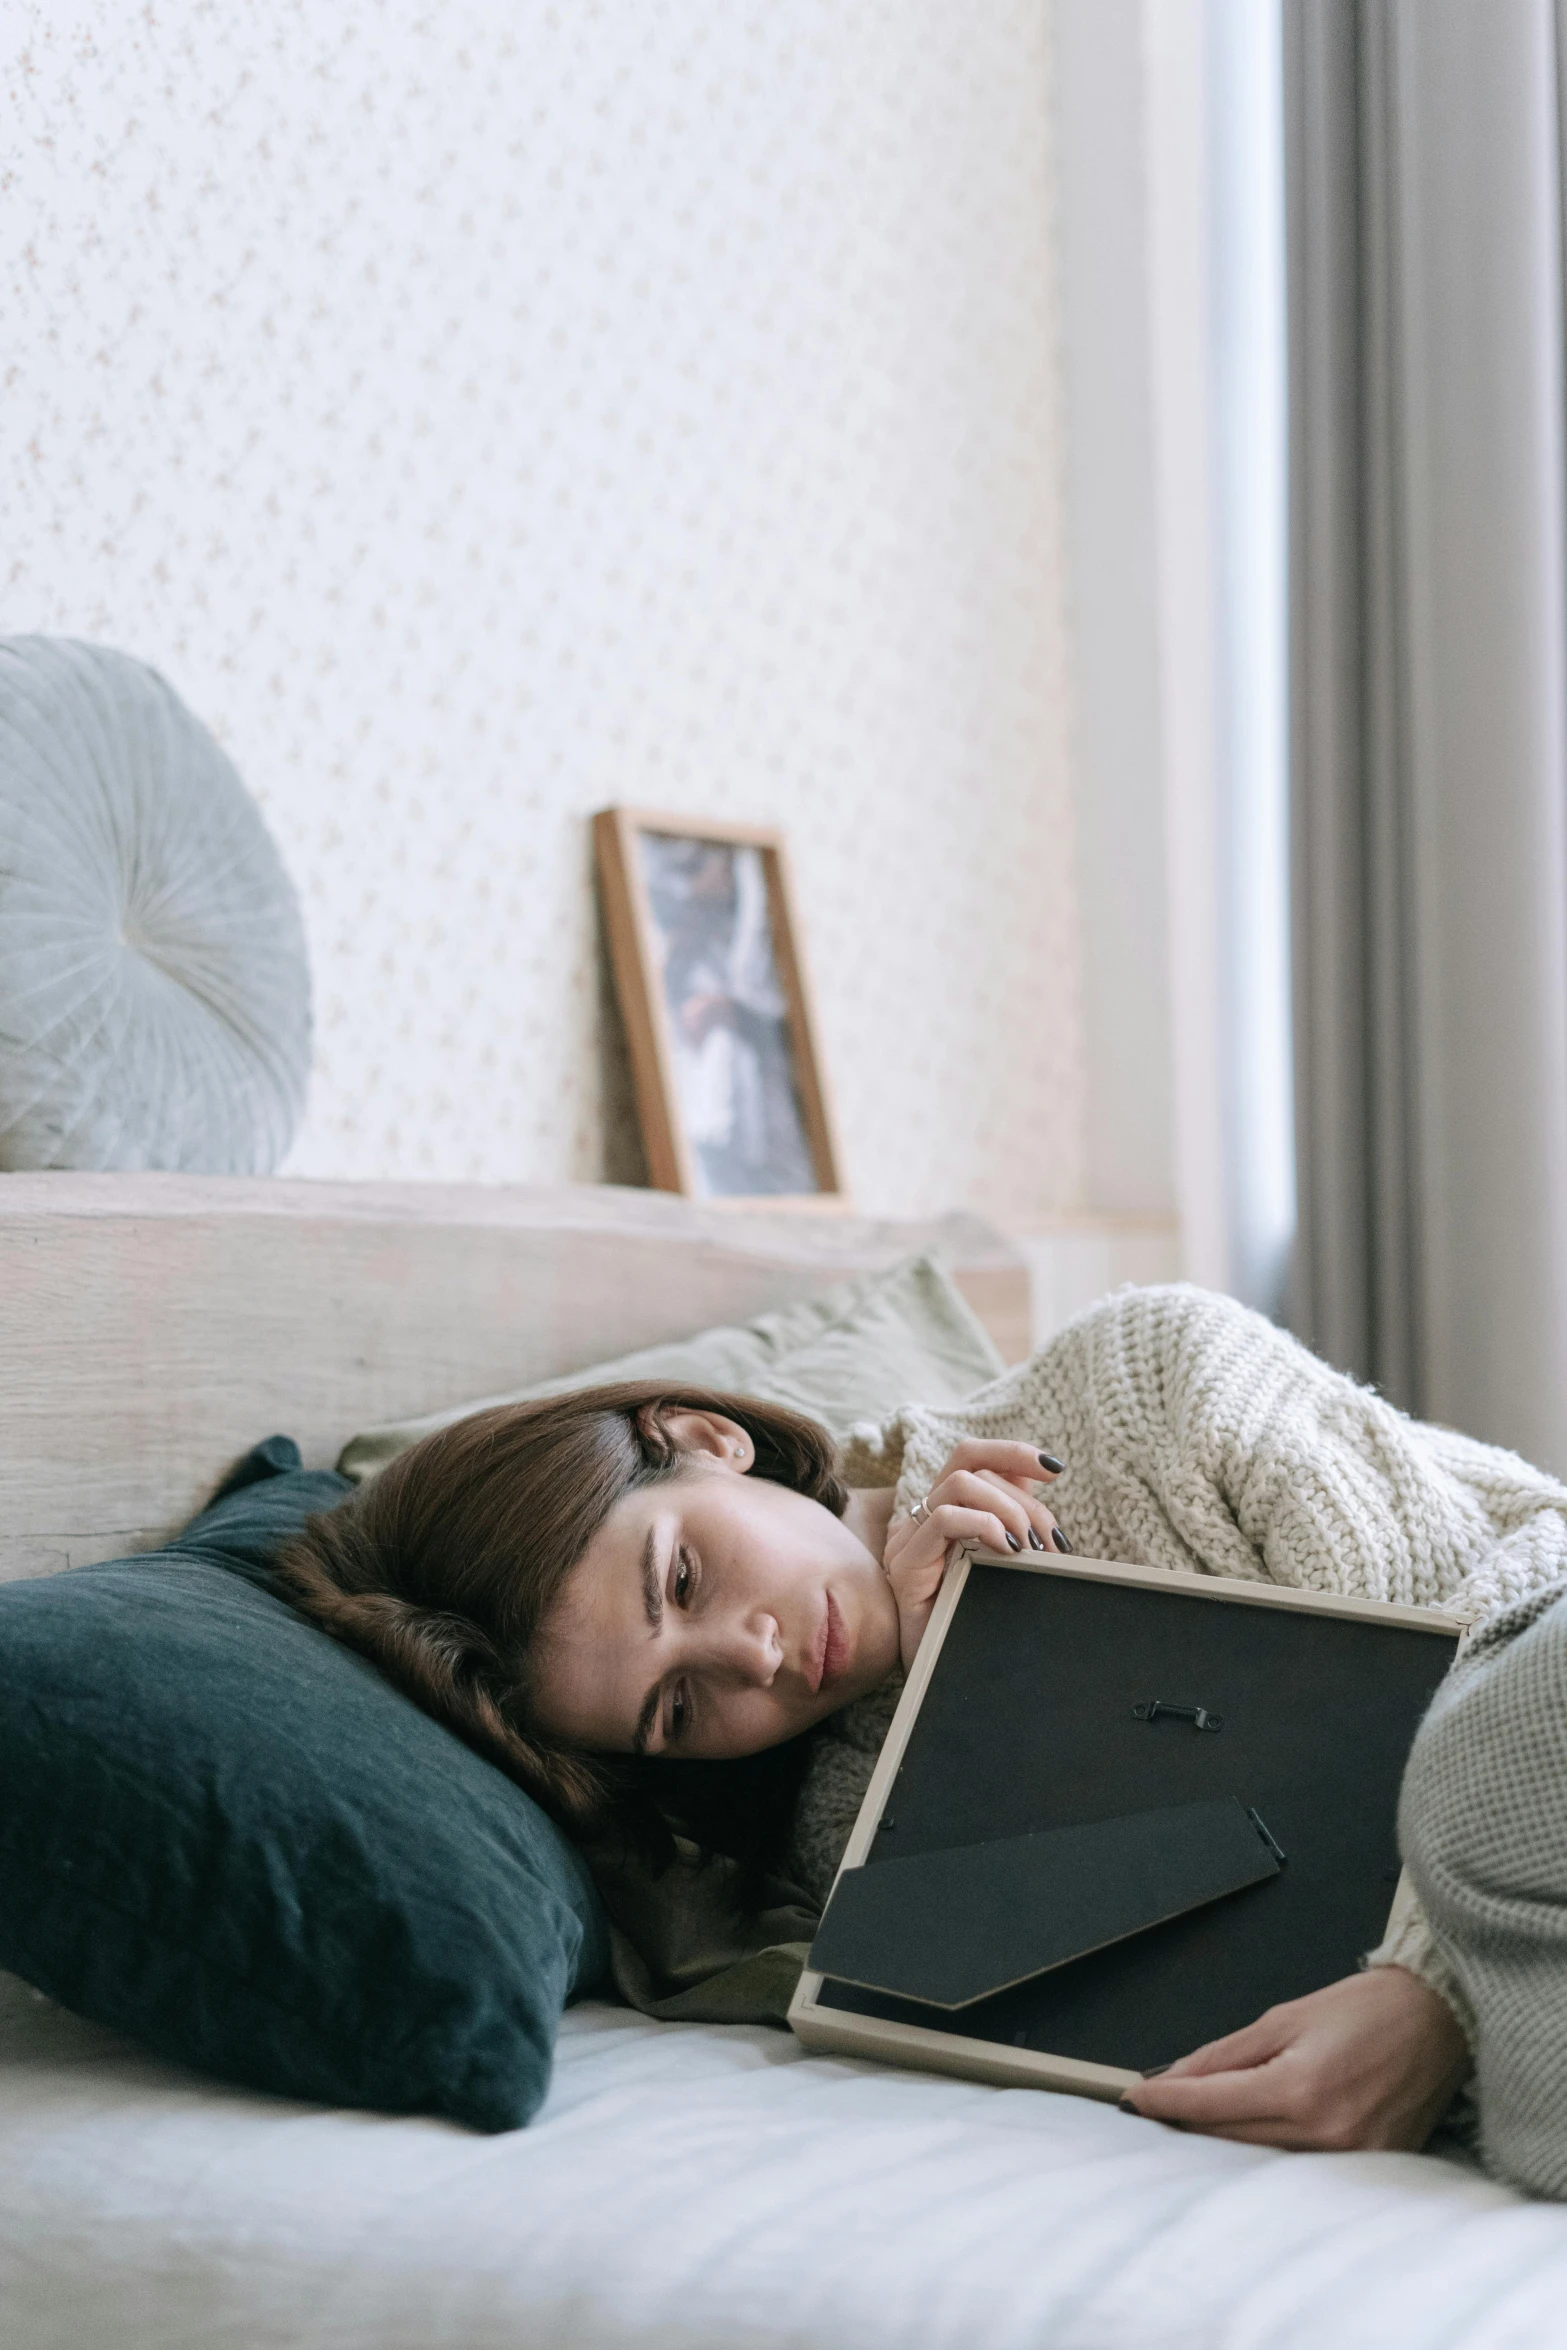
{"x": 837, "y": 2031}
{"x": 628, "y": 925}
{"x": 1231, "y": 1587}
{"x": 840, "y": 2031}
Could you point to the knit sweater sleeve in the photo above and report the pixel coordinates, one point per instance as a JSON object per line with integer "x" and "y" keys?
{"x": 1015, "y": 1408}
{"x": 1198, "y": 1435}
{"x": 1410, "y": 1943}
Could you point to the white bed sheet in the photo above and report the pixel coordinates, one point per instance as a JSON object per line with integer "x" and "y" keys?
{"x": 718, "y": 2190}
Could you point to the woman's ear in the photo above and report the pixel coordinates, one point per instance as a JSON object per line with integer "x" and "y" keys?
{"x": 706, "y": 1436}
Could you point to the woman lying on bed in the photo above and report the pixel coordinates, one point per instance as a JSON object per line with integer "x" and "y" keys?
{"x": 692, "y": 1578}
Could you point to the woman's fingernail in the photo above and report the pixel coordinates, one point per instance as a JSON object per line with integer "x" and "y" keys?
{"x": 1035, "y": 1541}
{"x": 1125, "y": 2105}
{"x": 1012, "y": 1540}
{"x": 1060, "y": 1540}
{"x": 1154, "y": 2070}
{"x": 1047, "y": 1460}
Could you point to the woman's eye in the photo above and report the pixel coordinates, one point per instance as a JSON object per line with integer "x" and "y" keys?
{"x": 683, "y": 1579}
{"x": 679, "y": 1711}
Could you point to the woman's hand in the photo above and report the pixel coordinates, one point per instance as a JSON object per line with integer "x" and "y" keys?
{"x": 984, "y": 1496}
{"x": 1372, "y": 2061}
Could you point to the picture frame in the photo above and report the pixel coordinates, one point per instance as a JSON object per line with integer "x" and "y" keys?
{"x": 731, "y": 1095}
{"x": 934, "y": 2044}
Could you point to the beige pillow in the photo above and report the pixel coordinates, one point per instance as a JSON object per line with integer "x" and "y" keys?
{"x": 855, "y": 1353}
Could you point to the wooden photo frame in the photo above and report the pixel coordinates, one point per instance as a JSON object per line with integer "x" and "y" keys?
{"x": 943, "y": 2039}
{"x": 729, "y": 1084}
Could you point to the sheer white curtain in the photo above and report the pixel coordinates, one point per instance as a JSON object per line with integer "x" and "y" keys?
{"x": 1429, "y": 703}
{"x": 1170, "y": 186}
{"x": 1248, "y": 334}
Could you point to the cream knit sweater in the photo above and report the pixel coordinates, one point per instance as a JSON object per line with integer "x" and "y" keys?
{"x": 1197, "y": 1435}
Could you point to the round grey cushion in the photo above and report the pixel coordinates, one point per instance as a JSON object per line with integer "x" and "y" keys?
{"x": 154, "y": 988}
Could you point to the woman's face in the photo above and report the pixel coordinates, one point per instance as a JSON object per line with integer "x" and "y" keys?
{"x": 712, "y": 1615}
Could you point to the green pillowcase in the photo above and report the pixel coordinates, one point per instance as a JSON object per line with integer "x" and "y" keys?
{"x": 856, "y": 1353}
{"x": 225, "y": 1834}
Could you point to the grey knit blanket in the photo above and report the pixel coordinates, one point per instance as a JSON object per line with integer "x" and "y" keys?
{"x": 1483, "y": 1823}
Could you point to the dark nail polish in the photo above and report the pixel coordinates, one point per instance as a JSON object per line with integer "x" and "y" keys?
{"x": 1154, "y": 2070}
{"x": 1060, "y": 1540}
{"x": 1035, "y": 1541}
{"x": 1047, "y": 1460}
{"x": 1012, "y": 1540}
{"x": 1125, "y": 2105}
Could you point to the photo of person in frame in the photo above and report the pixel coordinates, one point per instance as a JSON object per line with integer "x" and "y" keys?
{"x": 734, "y": 1071}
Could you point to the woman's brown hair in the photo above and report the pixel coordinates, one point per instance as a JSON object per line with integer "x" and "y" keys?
{"x": 442, "y": 1569}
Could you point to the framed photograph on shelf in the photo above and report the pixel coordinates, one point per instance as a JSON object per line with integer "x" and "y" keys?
{"x": 707, "y": 966}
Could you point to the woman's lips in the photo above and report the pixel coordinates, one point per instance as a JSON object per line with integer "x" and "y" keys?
{"x": 835, "y": 1652}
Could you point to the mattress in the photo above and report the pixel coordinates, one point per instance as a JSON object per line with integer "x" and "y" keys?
{"x": 718, "y": 2190}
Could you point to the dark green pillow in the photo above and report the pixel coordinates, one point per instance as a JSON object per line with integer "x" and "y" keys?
{"x": 225, "y": 1834}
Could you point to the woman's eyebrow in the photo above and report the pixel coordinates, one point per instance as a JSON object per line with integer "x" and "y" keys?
{"x": 652, "y": 1591}
{"x": 653, "y": 1609}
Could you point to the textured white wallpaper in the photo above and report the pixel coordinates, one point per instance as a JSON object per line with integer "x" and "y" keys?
{"x": 486, "y": 412}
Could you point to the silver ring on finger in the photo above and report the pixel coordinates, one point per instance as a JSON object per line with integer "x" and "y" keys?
{"x": 919, "y": 1513}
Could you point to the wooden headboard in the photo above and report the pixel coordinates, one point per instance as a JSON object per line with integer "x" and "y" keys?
{"x": 153, "y": 1327}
